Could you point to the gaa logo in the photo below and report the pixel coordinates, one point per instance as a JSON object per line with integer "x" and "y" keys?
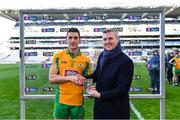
{"x": 80, "y": 65}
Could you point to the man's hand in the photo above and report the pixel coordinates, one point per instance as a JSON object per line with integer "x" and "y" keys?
{"x": 93, "y": 88}
{"x": 94, "y": 93}
{"x": 78, "y": 80}
{"x": 72, "y": 78}
{"x": 55, "y": 78}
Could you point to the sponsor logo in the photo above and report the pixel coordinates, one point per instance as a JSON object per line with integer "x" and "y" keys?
{"x": 31, "y": 77}
{"x": 152, "y": 89}
{"x": 31, "y": 89}
{"x": 135, "y": 90}
{"x": 71, "y": 73}
{"x": 46, "y": 65}
{"x": 136, "y": 77}
{"x": 48, "y": 89}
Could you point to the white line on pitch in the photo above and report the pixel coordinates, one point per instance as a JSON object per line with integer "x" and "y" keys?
{"x": 138, "y": 114}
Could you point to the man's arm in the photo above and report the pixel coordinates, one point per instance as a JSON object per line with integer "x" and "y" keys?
{"x": 172, "y": 60}
{"x": 54, "y": 78}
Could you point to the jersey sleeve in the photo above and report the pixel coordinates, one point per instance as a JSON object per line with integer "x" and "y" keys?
{"x": 55, "y": 60}
{"x": 90, "y": 68}
{"x": 87, "y": 70}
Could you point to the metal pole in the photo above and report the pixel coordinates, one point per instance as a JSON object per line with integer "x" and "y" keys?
{"x": 22, "y": 110}
{"x": 162, "y": 64}
{"x": 22, "y": 67}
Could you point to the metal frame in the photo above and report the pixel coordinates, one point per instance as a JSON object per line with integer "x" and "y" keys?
{"x": 160, "y": 96}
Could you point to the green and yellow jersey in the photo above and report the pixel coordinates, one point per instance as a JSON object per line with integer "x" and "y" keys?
{"x": 176, "y": 61}
{"x": 69, "y": 65}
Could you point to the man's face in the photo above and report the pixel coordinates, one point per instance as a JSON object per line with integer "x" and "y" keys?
{"x": 109, "y": 41}
{"x": 156, "y": 52}
{"x": 177, "y": 53}
{"x": 73, "y": 40}
{"x": 171, "y": 54}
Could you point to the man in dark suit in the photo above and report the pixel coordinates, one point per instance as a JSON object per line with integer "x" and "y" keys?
{"x": 113, "y": 77}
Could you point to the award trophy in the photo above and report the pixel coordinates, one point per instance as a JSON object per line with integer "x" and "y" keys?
{"x": 87, "y": 87}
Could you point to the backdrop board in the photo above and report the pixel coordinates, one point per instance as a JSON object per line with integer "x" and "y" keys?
{"x": 43, "y": 33}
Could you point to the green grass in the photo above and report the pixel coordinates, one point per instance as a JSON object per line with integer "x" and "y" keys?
{"x": 9, "y": 91}
{"x": 144, "y": 81}
{"x": 43, "y": 109}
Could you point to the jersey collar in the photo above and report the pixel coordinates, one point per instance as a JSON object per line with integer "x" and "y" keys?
{"x": 73, "y": 56}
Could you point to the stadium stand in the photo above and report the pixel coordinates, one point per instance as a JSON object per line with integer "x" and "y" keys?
{"x": 139, "y": 32}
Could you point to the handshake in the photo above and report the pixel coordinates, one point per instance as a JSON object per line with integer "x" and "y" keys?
{"x": 55, "y": 78}
{"x": 77, "y": 80}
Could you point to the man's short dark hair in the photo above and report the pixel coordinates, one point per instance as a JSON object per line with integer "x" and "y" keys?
{"x": 107, "y": 30}
{"x": 73, "y": 30}
{"x": 155, "y": 51}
